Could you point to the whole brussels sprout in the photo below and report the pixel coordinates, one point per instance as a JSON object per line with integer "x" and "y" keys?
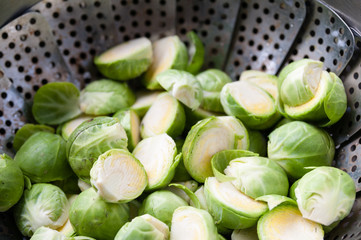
{"x": 42, "y": 205}
{"x": 143, "y": 227}
{"x": 27, "y": 131}
{"x": 105, "y": 96}
{"x": 92, "y": 138}
{"x": 11, "y": 183}
{"x": 92, "y": 216}
{"x": 42, "y": 158}
{"x": 299, "y": 145}
{"x": 161, "y": 205}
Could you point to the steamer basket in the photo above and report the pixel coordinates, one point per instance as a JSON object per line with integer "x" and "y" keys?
{"x": 56, "y": 40}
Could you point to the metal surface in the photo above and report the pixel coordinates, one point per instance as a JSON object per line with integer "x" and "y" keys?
{"x": 264, "y": 35}
{"x": 325, "y": 37}
{"x": 213, "y": 21}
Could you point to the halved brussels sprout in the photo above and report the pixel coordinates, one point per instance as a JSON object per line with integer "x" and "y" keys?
{"x": 263, "y": 80}
{"x": 143, "y": 227}
{"x": 42, "y": 158}
{"x": 143, "y": 101}
{"x": 130, "y": 121}
{"x": 310, "y": 94}
{"x": 253, "y": 105}
{"x": 68, "y": 127}
{"x": 286, "y": 222}
{"x": 195, "y": 52}
{"x": 201, "y": 197}
{"x": 55, "y": 103}
{"x": 274, "y": 200}
{"x": 298, "y": 145}
{"x": 91, "y": 216}
{"x": 183, "y": 86}
{"x": 257, "y": 142}
{"x": 169, "y": 53}
{"x": 42, "y": 205}
{"x": 118, "y": 176}
{"x": 67, "y": 229}
{"x": 92, "y": 138}
{"x": 231, "y": 208}
{"x": 27, "y": 131}
{"x": 166, "y": 115}
{"x": 12, "y": 183}
{"x": 105, "y": 96}
{"x": 48, "y": 234}
{"x": 126, "y": 60}
{"x": 257, "y": 176}
{"x": 212, "y": 82}
{"x": 245, "y": 234}
{"x": 161, "y": 205}
{"x": 325, "y": 195}
{"x": 192, "y": 223}
{"x": 158, "y": 156}
{"x": 208, "y": 137}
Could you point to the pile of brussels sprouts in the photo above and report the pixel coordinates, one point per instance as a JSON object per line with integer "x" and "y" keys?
{"x": 188, "y": 160}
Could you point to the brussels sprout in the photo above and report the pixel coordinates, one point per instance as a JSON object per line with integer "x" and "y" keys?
{"x": 212, "y": 82}
{"x": 195, "y": 52}
{"x": 229, "y": 207}
{"x": 92, "y": 216}
{"x": 169, "y": 53}
{"x": 283, "y": 121}
{"x": 208, "y": 137}
{"x": 68, "y": 127}
{"x": 27, "y": 131}
{"x": 92, "y": 138}
{"x": 257, "y": 142}
{"x": 158, "y": 156}
{"x": 183, "y": 86}
{"x": 67, "y": 229}
{"x": 126, "y": 60}
{"x": 253, "y": 105}
{"x": 43, "y": 205}
{"x": 193, "y": 199}
{"x": 183, "y": 189}
{"x": 105, "y": 96}
{"x": 11, "y": 183}
{"x": 42, "y": 158}
{"x": 257, "y": 176}
{"x": 166, "y": 115}
{"x": 310, "y": 94}
{"x": 245, "y": 234}
{"x": 130, "y": 121}
{"x": 83, "y": 185}
{"x": 118, "y": 176}
{"x": 274, "y": 200}
{"x": 55, "y": 103}
{"x": 48, "y": 234}
{"x": 143, "y": 227}
{"x": 144, "y": 99}
{"x": 263, "y": 80}
{"x": 285, "y": 222}
{"x": 68, "y": 185}
{"x": 192, "y": 223}
{"x": 298, "y": 145}
{"x": 325, "y": 195}
{"x": 201, "y": 197}
{"x": 161, "y": 205}
{"x": 292, "y": 190}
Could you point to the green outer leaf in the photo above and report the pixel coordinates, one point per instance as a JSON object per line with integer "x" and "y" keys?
{"x": 273, "y": 200}
{"x": 335, "y": 103}
{"x": 42, "y": 158}
{"x": 190, "y": 194}
{"x": 89, "y": 140}
{"x": 125, "y": 118}
{"x": 26, "y": 131}
{"x": 105, "y": 96}
{"x": 48, "y": 234}
{"x": 93, "y": 217}
{"x": 221, "y": 160}
{"x": 196, "y": 53}
{"x": 292, "y": 190}
{"x": 55, "y": 103}
{"x": 12, "y": 183}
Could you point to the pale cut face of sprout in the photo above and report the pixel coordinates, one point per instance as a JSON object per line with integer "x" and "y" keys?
{"x": 238, "y": 129}
{"x": 201, "y": 197}
{"x": 157, "y": 155}
{"x": 159, "y": 115}
{"x": 135, "y": 123}
{"x": 252, "y": 98}
{"x": 262, "y": 80}
{"x": 144, "y": 100}
{"x": 70, "y": 126}
{"x": 159, "y": 225}
{"x": 232, "y": 197}
{"x": 127, "y": 50}
{"x": 118, "y": 177}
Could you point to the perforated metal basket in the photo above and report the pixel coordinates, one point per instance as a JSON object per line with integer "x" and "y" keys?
{"x": 56, "y": 40}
